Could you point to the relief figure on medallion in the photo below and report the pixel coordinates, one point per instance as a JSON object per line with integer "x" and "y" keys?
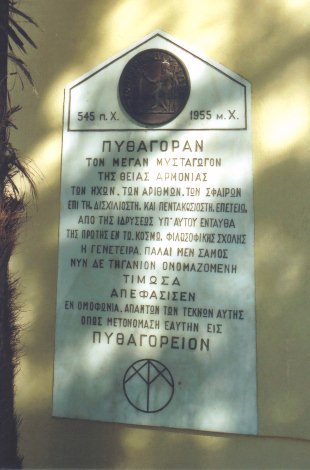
{"x": 154, "y": 87}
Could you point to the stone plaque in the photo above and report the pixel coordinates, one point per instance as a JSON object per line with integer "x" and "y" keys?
{"x": 155, "y": 303}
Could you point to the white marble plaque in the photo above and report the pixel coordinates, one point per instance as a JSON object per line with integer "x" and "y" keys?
{"x": 156, "y": 299}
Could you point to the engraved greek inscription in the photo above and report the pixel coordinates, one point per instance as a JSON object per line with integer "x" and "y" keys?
{"x": 78, "y": 190}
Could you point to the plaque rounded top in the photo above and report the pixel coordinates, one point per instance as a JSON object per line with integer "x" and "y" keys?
{"x": 154, "y": 87}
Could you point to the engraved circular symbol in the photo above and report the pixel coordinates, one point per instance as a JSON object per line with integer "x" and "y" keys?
{"x": 154, "y": 87}
{"x": 148, "y": 385}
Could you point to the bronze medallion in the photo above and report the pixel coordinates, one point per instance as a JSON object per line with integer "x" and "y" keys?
{"x": 154, "y": 87}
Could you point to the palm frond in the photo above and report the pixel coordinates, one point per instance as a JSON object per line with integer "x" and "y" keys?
{"x": 15, "y": 11}
{"x": 22, "y": 66}
{"x": 15, "y": 38}
{"x": 22, "y": 32}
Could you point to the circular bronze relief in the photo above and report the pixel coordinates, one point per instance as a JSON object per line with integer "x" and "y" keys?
{"x": 154, "y": 87}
